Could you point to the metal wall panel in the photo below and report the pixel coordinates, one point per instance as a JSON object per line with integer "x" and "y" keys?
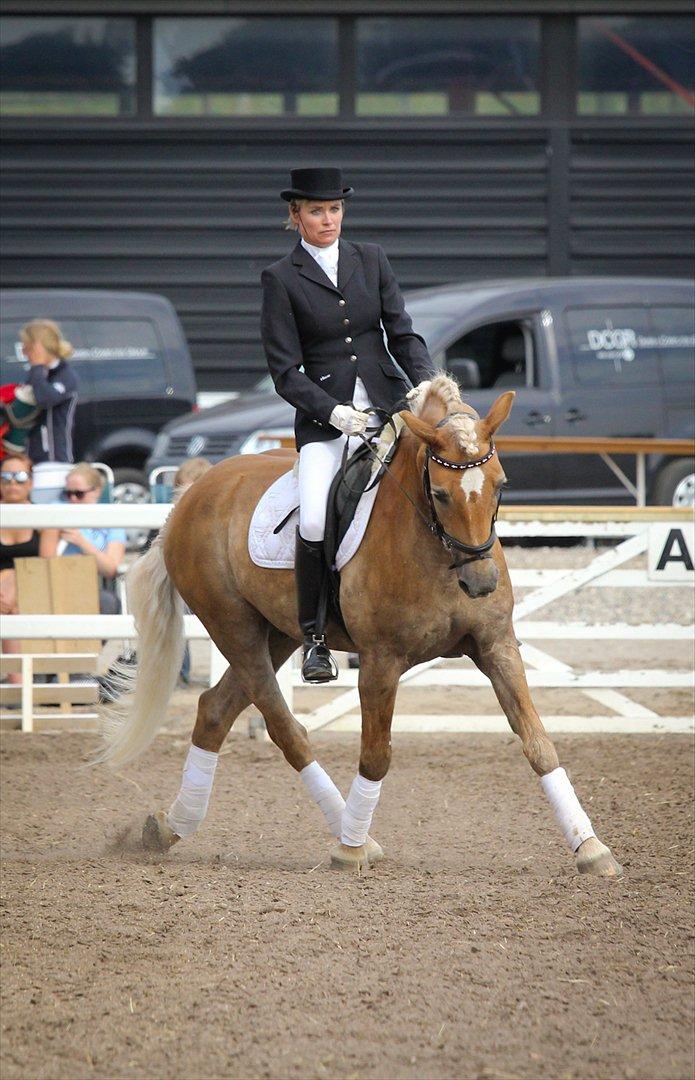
{"x": 632, "y": 205}
{"x": 196, "y": 216}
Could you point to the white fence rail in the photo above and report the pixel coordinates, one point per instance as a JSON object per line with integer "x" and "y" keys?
{"x": 628, "y": 525}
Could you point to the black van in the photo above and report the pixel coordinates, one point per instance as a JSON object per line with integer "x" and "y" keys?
{"x": 132, "y": 364}
{"x": 611, "y": 357}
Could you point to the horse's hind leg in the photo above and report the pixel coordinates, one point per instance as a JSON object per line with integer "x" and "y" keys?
{"x": 218, "y": 708}
{"x": 501, "y": 662}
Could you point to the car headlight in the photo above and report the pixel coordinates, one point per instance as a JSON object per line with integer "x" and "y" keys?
{"x": 266, "y": 440}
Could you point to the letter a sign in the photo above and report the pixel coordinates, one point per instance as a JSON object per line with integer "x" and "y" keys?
{"x": 672, "y": 552}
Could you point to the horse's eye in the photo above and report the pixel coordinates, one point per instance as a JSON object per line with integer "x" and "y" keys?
{"x": 442, "y": 496}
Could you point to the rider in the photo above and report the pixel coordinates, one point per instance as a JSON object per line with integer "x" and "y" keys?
{"x": 326, "y": 306}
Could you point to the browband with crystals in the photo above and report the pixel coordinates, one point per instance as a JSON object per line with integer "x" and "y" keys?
{"x": 463, "y": 464}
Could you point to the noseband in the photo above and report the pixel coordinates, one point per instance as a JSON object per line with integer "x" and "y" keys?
{"x": 473, "y": 551}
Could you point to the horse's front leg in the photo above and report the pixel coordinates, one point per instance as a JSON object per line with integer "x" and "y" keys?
{"x": 501, "y": 662}
{"x": 378, "y": 683}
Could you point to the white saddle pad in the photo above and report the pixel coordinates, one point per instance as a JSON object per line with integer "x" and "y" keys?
{"x": 276, "y": 550}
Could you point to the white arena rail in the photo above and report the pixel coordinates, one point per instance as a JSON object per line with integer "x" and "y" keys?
{"x": 631, "y": 526}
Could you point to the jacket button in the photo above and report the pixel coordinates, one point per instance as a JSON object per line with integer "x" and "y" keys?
{"x": 348, "y": 341}
{"x": 346, "y": 322}
{"x": 342, "y": 303}
{"x": 353, "y": 358}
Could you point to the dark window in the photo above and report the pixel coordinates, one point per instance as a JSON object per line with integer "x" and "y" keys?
{"x": 125, "y": 357}
{"x": 675, "y": 332}
{"x": 612, "y": 346}
{"x": 441, "y": 66}
{"x": 641, "y": 66}
{"x": 246, "y": 67}
{"x": 503, "y": 352}
{"x": 67, "y": 67}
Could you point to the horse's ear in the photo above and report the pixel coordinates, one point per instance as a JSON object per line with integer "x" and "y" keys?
{"x": 424, "y": 431}
{"x": 499, "y": 412}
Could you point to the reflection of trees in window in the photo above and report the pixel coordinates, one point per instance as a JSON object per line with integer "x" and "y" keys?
{"x": 636, "y": 65}
{"x": 475, "y": 66}
{"x": 240, "y": 65}
{"x": 67, "y": 65}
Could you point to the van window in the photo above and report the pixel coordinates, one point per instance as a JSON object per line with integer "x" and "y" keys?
{"x": 125, "y": 357}
{"x": 675, "y": 332}
{"x": 505, "y": 353}
{"x": 612, "y": 346}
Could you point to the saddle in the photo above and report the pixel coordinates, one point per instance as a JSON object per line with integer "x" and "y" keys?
{"x": 357, "y": 475}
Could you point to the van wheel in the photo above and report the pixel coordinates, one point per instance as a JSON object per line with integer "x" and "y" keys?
{"x": 130, "y": 486}
{"x": 675, "y": 484}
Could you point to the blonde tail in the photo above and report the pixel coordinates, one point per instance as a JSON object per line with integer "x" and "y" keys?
{"x": 131, "y": 723}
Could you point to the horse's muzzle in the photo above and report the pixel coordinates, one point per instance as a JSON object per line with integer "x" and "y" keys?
{"x": 478, "y": 578}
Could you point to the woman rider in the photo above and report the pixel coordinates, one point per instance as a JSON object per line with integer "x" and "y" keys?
{"x": 324, "y": 307}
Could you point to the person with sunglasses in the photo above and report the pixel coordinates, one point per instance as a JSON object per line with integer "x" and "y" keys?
{"x": 15, "y": 490}
{"x": 84, "y": 484}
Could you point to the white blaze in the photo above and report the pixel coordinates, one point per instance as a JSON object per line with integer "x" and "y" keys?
{"x": 472, "y": 481}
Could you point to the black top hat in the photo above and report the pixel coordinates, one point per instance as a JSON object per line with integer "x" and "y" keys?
{"x": 316, "y": 184}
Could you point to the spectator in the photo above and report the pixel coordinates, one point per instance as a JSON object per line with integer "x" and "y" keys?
{"x": 54, "y": 386}
{"x": 84, "y": 484}
{"x": 188, "y": 473}
{"x": 15, "y": 490}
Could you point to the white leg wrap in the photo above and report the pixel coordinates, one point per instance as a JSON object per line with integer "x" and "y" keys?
{"x": 325, "y": 794}
{"x": 359, "y": 809}
{"x": 191, "y": 804}
{"x": 573, "y": 821}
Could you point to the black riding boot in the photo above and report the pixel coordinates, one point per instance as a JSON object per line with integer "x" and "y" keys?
{"x": 310, "y": 571}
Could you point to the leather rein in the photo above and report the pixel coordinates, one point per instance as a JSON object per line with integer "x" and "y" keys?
{"x": 450, "y": 543}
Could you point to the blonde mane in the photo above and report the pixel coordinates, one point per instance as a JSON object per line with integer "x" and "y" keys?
{"x": 445, "y": 391}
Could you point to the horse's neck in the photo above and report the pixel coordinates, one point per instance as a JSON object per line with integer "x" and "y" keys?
{"x": 401, "y": 511}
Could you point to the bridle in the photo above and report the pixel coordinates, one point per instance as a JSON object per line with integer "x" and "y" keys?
{"x": 473, "y": 551}
{"x": 450, "y": 543}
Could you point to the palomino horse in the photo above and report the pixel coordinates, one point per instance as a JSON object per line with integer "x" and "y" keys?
{"x": 428, "y": 580}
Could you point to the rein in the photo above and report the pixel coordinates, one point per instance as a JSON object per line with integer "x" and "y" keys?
{"x": 434, "y": 525}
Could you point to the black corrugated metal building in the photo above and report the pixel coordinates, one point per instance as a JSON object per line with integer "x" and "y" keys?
{"x": 145, "y": 143}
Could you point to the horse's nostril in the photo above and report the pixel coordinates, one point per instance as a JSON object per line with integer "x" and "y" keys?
{"x": 462, "y": 585}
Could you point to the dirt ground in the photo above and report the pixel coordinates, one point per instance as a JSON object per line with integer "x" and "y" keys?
{"x": 473, "y": 950}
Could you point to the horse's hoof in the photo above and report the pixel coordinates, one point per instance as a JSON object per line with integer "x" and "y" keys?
{"x": 356, "y": 858}
{"x": 157, "y": 834}
{"x": 593, "y": 857}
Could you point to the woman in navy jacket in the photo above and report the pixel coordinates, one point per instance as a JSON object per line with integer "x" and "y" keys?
{"x": 54, "y": 384}
{"x": 326, "y": 306}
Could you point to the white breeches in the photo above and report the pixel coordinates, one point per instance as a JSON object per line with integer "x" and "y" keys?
{"x": 318, "y": 464}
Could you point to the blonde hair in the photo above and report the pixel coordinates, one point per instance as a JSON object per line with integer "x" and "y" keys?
{"x": 295, "y": 204}
{"x": 48, "y": 334}
{"x": 94, "y": 477}
{"x": 17, "y": 455}
{"x": 190, "y": 471}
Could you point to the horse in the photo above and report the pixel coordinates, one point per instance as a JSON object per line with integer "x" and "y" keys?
{"x": 429, "y": 580}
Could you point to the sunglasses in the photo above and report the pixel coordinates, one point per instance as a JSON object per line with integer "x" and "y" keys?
{"x": 71, "y": 493}
{"x": 19, "y": 477}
